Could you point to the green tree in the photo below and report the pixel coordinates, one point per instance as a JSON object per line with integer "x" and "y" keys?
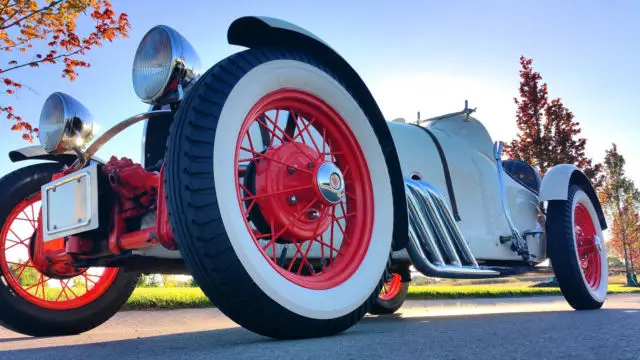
{"x": 148, "y": 281}
{"x": 79, "y": 282}
{"x": 614, "y": 262}
{"x": 26, "y": 275}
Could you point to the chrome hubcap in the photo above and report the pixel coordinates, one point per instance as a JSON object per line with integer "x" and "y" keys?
{"x": 599, "y": 245}
{"x": 330, "y": 182}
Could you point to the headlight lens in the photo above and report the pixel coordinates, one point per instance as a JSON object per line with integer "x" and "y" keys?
{"x": 164, "y": 62}
{"x": 65, "y": 124}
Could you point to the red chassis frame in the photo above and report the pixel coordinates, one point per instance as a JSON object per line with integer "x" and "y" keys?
{"x": 137, "y": 193}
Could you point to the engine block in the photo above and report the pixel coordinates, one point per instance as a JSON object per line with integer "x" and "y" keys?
{"x": 137, "y": 188}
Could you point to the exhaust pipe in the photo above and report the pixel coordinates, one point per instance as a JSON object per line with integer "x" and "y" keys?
{"x": 436, "y": 246}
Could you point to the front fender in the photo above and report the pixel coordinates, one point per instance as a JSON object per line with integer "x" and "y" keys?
{"x": 258, "y": 31}
{"x": 555, "y": 186}
{"x": 37, "y": 153}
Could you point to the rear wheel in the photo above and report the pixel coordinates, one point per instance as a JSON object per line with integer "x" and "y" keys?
{"x": 577, "y": 250}
{"x": 279, "y": 195}
{"x": 392, "y": 296}
{"x": 32, "y": 303}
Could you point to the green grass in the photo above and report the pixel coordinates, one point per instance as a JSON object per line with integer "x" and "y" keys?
{"x": 179, "y": 298}
{"x": 437, "y": 292}
{"x": 167, "y": 298}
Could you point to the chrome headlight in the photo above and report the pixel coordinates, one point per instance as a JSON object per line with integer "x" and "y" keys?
{"x": 164, "y": 65}
{"x": 65, "y": 124}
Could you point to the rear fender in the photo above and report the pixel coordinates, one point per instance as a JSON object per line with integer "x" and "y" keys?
{"x": 258, "y": 31}
{"x": 555, "y": 186}
{"x": 36, "y": 152}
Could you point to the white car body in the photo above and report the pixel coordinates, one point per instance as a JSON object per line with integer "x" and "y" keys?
{"x": 468, "y": 149}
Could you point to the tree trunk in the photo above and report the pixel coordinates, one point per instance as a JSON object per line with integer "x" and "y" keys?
{"x": 623, "y": 233}
{"x": 628, "y": 262}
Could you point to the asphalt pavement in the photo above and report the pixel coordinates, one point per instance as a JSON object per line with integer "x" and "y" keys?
{"x": 522, "y": 328}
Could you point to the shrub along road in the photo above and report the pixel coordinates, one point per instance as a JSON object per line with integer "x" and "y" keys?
{"x": 516, "y": 328}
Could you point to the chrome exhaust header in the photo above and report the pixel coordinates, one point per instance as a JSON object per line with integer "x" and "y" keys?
{"x": 436, "y": 245}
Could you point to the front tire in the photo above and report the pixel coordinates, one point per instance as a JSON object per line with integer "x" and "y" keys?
{"x": 577, "y": 251}
{"x": 30, "y": 302}
{"x": 241, "y": 187}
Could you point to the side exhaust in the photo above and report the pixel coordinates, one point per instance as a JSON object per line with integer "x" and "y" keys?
{"x": 436, "y": 245}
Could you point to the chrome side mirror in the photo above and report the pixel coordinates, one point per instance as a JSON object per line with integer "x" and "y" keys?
{"x": 65, "y": 124}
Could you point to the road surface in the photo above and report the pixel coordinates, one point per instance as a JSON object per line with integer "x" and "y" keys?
{"x": 524, "y": 328}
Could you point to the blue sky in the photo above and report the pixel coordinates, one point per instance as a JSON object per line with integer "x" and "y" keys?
{"x": 414, "y": 55}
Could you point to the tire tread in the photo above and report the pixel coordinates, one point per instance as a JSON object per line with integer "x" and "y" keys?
{"x": 24, "y": 317}
{"x": 217, "y": 269}
{"x": 562, "y": 252}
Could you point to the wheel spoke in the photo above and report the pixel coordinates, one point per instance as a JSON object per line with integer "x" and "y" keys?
{"x": 263, "y": 156}
{"x": 290, "y": 190}
{"x": 295, "y": 207}
{"x": 323, "y": 244}
{"x": 588, "y": 252}
{"x": 289, "y": 138}
{"x": 32, "y": 285}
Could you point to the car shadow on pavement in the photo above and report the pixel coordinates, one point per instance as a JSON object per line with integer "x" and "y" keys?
{"x": 552, "y": 334}
{"x": 11, "y": 339}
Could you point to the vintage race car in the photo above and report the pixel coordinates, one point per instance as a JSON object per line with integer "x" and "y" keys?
{"x": 275, "y": 181}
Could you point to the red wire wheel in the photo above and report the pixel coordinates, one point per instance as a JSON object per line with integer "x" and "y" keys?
{"x": 310, "y": 189}
{"x": 391, "y": 288}
{"x": 33, "y": 286}
{"x": 588, "y": 254}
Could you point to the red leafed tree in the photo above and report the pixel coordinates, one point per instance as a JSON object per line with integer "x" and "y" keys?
{"x": 621, "y": 200}
{"x": 34, "y": 33}
{"x": 634, "y": 245}
{"x": 625, "y": 237}
{"x": 547, "y": 132}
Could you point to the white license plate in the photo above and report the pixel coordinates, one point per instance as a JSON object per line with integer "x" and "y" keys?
{"x": 70, "y": 204}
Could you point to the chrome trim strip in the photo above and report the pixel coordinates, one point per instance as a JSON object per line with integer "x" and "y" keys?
{"x": 143, "y": 153}
{"x": 113, "y": 131}
{"x": 520, "y": 243}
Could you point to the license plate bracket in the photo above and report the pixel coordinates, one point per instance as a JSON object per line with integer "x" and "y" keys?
{"x": 70, "y": 204}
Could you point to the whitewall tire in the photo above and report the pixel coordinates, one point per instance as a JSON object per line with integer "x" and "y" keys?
{"x": 577, "y": 251}
{"x": 245, "y": 181}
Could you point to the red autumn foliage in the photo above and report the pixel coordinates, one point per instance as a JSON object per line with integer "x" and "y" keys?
{"x": 625, "y": 232}
{"x": 621, "y": 200}
{"x": 548, "y": 134}
{"x": 25, "y": 23}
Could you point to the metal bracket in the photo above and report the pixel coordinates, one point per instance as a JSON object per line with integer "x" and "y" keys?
{"x": 518, "y": 242}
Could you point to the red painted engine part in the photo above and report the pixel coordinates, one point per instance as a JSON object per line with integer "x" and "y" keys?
{"x": 139, "y": 192}
{"x": 137, "y": 188}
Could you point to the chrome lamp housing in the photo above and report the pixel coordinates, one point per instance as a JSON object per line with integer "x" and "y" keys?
{"x": 65, "y": 124}
{"x": 164, "y": 66}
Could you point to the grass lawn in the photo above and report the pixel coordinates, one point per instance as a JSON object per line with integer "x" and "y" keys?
{"x": 179, "y": 297}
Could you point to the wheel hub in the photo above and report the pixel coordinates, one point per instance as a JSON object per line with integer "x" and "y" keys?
{"x": 296, "y": 200}
{"x": 589, "y": 246}
{"x": 599, "y": 245}
{"x": 330, "y": 183}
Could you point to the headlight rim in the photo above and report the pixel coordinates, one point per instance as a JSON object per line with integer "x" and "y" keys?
{"x": 181, "y": 53}
{"x": 76, "y": 124}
